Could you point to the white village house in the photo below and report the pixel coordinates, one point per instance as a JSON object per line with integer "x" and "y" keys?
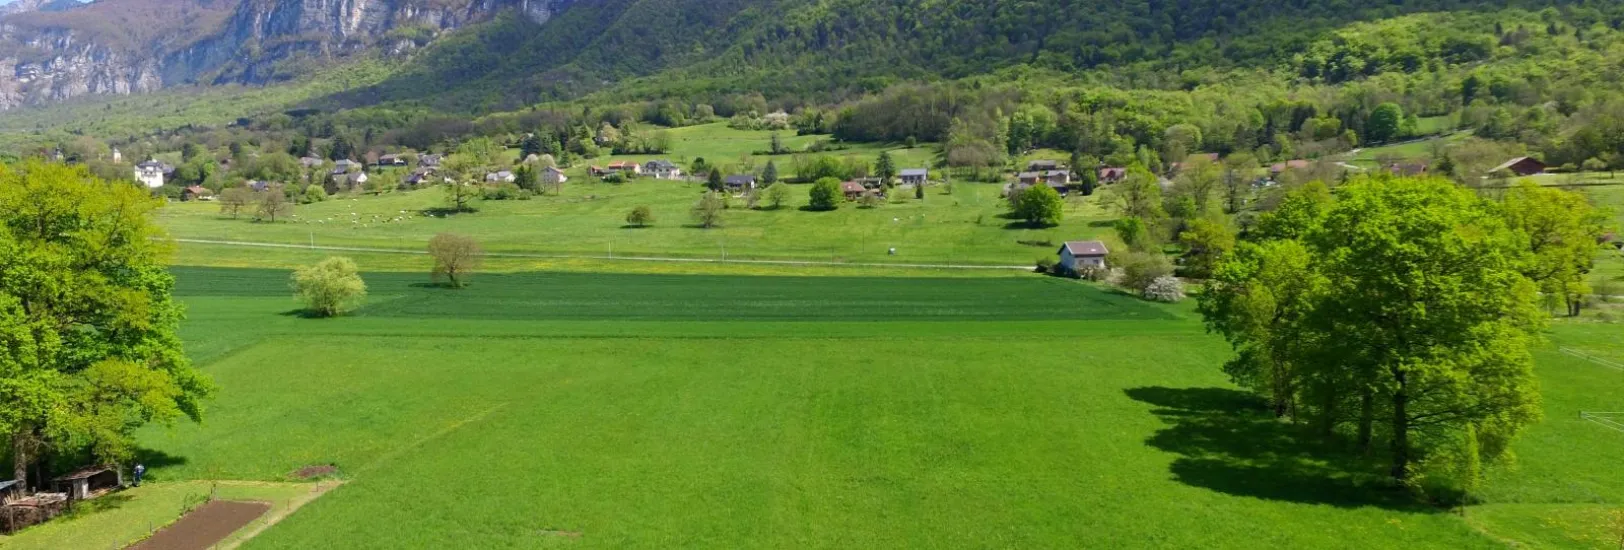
{"x": 553, "y": 176}
{"x": 150, "y": 173}
{"x": 915, "y": 176}
{"x": 1076, "y": 255}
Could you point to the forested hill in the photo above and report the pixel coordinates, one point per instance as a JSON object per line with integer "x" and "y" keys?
{"x": 823, "y": 47}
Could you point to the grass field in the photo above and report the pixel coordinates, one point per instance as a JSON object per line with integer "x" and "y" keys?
{"x": 627, "y": 411}
{"x": 964, "y": 227}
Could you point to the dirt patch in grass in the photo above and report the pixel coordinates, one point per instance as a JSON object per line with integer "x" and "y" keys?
{"x": 315, "y": 471}
{"x": 205, "y": 526}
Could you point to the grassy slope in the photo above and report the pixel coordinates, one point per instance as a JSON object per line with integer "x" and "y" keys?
{"x": 1027, "y": 412}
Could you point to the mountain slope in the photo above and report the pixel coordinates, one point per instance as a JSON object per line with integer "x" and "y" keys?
{"x": 133, "y": 46}
{"x": 822, "y": 47}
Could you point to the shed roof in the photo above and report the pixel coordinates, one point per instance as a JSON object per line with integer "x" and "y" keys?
{"x": 915, "y": 172}
{"x": 1085, "y": 248}
{"x": 7, "y": 485}
{"x": 84, "y": 473}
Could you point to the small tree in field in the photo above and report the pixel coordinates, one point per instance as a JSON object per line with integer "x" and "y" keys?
{"x": 455, "y": 258}
{"x": 329, "y": 288}
{"x": 714, "y": 180}
{"x": 708, "y": 211}
{"x": 777, "y": 194}
{"x": 234, "y": 200}
{"x": 825, "y": 194}
{"x": 869, "y": 200}
{"x": 640, "y": 216}
{"x": 273, "y": 203}
{"x": 1039, "y": 205}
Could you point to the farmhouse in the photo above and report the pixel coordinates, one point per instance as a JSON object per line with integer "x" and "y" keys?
{"x": 392, "y": 160}
{"x": 1412, "y": 168}
{"x": 915, "y": 176}
{"x": 257, "y": 186}
{"x": 626, "y": 167}
{"x": 1062, "y": 189}
{"x": 742, "y": 182}
{"x": 1521, "y": 166}
{"x": 195, "y": 192}
{"x": 1112, "y": 174}
{"x": 430, "y": 161}
{"x": 553, "y": 176}
{"x": 1061, "y": 177}
{"x": 852, "y": 190}
{"x": 662, "y": 169}
{"x": 1044, "y": 166}
{"x": 1075, "y": 255}
{"x": 356, "y": 180}
{"x": 150, "y": 173}
{"x": 420, "y": 176}
{"x": 346, "y": 165}
{"x": 503, "y": 176}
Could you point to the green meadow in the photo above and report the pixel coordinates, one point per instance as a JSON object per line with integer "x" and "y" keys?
{"x": 538, "y": 410}
{"x": 588, "y": 218}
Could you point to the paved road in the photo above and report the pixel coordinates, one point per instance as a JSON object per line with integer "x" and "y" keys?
{"x": 605, "y": 257}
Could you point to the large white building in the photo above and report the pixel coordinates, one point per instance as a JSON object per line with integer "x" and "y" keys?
{"x": 150, "y": 173}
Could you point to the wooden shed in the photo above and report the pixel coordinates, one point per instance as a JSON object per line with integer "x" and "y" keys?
{"x": 91, "y": 482}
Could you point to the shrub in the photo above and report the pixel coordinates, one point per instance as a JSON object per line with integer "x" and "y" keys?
{"x": 777, "y": 194}
{"x": 869, "y": 199}
{"x": 825, "y": 194}
{"x": 1045, "y": 265}
{"x": 313, "y": 194}
{"x": 1039, "y": 205}
{"x": 1140, "y": 269}
{"x": 1093, "y": 273}
{"x": 500, "y": 192}
{"x": 640, "y": 216}
{"x": 1164, "y": 289}
{"x": 329, "y": 288}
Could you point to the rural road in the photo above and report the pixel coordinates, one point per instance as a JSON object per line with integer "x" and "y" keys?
{"x": 604, "y": 257}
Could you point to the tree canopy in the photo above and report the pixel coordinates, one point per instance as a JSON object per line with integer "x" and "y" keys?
{"x": 88, "y": 344}
{"x": 1397, "y": 308}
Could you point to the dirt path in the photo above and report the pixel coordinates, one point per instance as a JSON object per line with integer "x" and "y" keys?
{"x": 205, "y": 526}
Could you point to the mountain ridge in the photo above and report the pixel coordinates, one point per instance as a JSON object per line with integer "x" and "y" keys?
{"x": 138, "y": 46}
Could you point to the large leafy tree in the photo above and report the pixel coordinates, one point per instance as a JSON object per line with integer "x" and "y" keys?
{"x": 1039, "y": 205}
{"x": 1562, "y": 230}
{"x": 1423, "y": 281}
{"x": 88, "y": 349}
{"x": 1396, "y": 308}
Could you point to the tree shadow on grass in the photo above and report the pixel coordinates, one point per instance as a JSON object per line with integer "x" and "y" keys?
{"x": 156, "y": 462}
{"x": 1227, "y": 441}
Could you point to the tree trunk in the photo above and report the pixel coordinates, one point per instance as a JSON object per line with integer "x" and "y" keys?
{"x": 1401, "y": 430}
{"x": 1367, "y": 418}
{"x": 19, "y": 458}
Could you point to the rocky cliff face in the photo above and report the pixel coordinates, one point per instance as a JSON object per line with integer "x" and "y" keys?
{"x": 78, "y": 52}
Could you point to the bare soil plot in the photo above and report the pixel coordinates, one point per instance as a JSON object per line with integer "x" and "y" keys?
{"x": 205, "y": 526}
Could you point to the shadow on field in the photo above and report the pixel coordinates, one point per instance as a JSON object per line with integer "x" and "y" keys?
{"x": 1228, "y": 442}
{"x": 155, "y": 461}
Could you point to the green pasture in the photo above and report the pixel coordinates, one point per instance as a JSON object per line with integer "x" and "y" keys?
{"x": 536, "y": 410}
{"x": 588, "y": 218}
